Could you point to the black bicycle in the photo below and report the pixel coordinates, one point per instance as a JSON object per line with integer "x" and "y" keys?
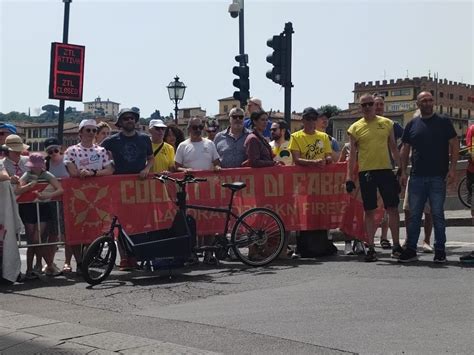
{"x": 465, "y": 192}
{"x": 257, "y": 236}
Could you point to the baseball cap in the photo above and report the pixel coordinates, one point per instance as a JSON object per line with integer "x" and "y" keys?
{"x": 88, "y": 122}
{"x": 156, "y": 123}
{"x": 256, "y": 101}
{"x": 51, "y": 143}
{"x": 8, "y": 126}
{"x": 236, "y": 111}
{"x": 310, "y": 111}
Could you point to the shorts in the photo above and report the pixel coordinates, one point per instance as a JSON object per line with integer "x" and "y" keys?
{"x": 406, "y": 206}
{"x": 385, "y": 182}
{"x": 28, "y": 212}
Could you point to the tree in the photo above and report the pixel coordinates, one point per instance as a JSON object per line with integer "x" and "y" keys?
{"x": 51, "y": 109}
{"x": 330, "y": 111}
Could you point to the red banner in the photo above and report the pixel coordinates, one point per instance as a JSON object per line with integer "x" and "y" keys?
{"x": 305, "y": 199}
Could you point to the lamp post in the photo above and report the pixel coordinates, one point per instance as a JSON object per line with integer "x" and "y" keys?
{"x": 176, "y": 91}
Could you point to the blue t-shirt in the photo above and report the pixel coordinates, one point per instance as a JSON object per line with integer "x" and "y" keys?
{"x": 429, "y": 140}
{"x": 129, "y": 153}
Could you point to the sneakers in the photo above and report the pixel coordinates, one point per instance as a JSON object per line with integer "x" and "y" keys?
{"x": 31, "y": 275}
{"x": 397, "y": 251}
{"x": 39, "y": 269}
{"x": 385, "y": 244}
{"x": 467, "y": 259}
{"x": 348, "y": 249}
{"x": 371, "y": 256}
{"x": 358, "y": 247}
{"x": 407, "y": 256}
{"x": 427, "y": 248}
{"x": 439, "y": 257}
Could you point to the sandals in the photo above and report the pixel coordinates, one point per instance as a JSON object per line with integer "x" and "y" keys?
{"x": 67, "y": 268}
{"x": 385, "y": 244}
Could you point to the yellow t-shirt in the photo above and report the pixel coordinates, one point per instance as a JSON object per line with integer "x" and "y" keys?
{"x": 372, "y": 142}
{"x": 282, "y": 153}
{"x": 164, "y": 160}
{"x": 311, "y": 146}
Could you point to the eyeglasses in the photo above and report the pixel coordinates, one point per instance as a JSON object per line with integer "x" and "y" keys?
{"x": 310, "y": 118}
{"x": 237, "y": 117}
{"x": 50, "y": 152}
{"x": 159, "y": 128}
{"x": 367, "y": 104}
{"x": 90, "y": 130}
{"x": 199, "y": 127}
{"x": 128, "y": 118}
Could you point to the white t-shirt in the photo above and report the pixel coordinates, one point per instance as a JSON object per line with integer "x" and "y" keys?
{"x": 94, "y": 158}
{"x": 196, "y": 155}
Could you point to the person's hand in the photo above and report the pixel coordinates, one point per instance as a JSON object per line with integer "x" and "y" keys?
{"x": 85, "y": 173}
{"x": 279, "y": 163}
{"x": 32, "y": 184}
{"x": 43, "y": 195}
{"x": 246, "y": 163}
{"x": 403, "y": 179}
{"x": 217, "y": 168}
{"x": 14, "y": 179}
{"x": 350, "y": 186}
{"x": 143, "y": 174}
{"x": 320, "y": 163}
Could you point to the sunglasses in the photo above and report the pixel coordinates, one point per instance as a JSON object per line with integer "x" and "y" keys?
{"x": 310, "y": 118}
{"x": 367, "y": 104}
{"x": 50, "y": 152}
{"x": 199, "y": 127}
{"x": 159, "y": 128}
{"x": 128, "y": 118}
{"x": 237, "y": 117}
{"x": 90, "y": 130}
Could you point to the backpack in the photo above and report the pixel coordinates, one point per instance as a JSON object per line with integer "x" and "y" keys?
{"x": 315, "y": 243}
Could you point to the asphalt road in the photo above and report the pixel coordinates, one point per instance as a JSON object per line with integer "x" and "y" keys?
{"x": 327, "y": 306}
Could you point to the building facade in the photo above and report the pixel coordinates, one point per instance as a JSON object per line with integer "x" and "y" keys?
{"x": 226, "y": 104}
{"x": 102, "y": 108}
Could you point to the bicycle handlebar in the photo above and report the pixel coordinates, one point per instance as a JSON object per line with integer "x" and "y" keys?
{"x": 188, "y": 178}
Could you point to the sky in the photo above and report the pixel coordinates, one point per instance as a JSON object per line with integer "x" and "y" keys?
{"x": 135, "y": 48}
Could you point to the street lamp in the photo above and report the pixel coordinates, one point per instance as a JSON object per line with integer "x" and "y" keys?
{"x": 176, "y": 92}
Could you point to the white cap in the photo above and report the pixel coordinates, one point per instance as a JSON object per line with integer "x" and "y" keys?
{"x": 156, "y": 123}
{"x": 89, "y": 122}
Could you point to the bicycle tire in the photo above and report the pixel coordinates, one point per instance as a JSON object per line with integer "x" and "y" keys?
{"x": 463, "y": 193}
{"x": 269, "y": 237}
{"x": 93, "y": 259}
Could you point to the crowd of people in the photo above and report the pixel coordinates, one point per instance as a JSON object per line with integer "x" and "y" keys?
{"x": 373, "y": 154}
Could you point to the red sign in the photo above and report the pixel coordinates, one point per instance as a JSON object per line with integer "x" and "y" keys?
{"x": 67, "y": 72}
{"x": 305, "y": 199}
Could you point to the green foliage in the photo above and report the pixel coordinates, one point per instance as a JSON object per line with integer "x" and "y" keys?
{"x": 329, "y": 110}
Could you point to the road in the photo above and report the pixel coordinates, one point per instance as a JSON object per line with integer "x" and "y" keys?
{"x": 327, "y": 306}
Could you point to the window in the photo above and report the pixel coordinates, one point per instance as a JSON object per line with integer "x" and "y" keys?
{"x": 440, "y": 108}
{"x": 432, "y": 92}
{"x": 450, "y": 111}
{"x": 460, "y": 112}
{"x": 401, "y": 92}
{"x": 460, "y": 97}
{"x": 226, "y": 108}
{"x": 451, "y": 96}
{"x": 44, "y": 132}
{"x": 35, "y": 133}
{"x": 468, "y": 113}
{"x": 340, "y": 135}
{"x": 29, "y": 133}
{"x": 441, "y": 94}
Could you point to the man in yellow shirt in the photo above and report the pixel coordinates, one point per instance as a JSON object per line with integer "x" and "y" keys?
{"x": 162, "y": 151}
{"x": 369, "y": 137}
{"x": 312, "y": 149}
{"x": 280, "y": 142}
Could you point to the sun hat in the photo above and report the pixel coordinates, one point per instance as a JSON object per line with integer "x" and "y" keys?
{"x": 156, "y": 123}
{"x": 36, "y": 161}
{"x": 14, "y": 143}
{"x": 88, "y": 122}
{"x": 127, "y": 110}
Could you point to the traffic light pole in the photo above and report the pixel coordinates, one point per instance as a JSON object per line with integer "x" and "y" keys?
{"x": 241, "y": 31}
{"x": 288, "y": 84}
{"x": 62, "y": 102}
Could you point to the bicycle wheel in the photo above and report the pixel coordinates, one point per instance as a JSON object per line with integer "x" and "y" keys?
{"x": 258, "y": 236}
{"x": 465, "y": 193}
{"x": 99, "y": 260}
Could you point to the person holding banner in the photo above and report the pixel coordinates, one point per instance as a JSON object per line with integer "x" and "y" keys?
{"x": 369, "y": 137}
{"x": 311, "y": 148}
{"x": 163, "y": 152}
{"x": 280, "y": 142}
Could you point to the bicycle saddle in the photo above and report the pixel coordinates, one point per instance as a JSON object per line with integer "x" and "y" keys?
{"x": 234, "y": 186}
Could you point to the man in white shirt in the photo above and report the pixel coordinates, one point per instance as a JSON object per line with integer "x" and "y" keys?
{"x": 196, "y": 152}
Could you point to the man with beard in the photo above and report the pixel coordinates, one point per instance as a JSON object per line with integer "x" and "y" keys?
{"x": 280, "y": 142}
{"x": 131, "y": 150}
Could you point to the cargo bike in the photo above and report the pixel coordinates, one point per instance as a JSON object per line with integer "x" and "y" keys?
{"x": 257, "y": 236}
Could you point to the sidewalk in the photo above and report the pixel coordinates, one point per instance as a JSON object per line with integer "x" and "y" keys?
{"x": 26, "y": 334}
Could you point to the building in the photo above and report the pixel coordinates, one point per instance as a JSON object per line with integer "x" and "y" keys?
{"x": 226, "y": 104}
{"x": 34, "y": 134}
{"x": 102, "y": 108}
{"x": 184, "y": 114}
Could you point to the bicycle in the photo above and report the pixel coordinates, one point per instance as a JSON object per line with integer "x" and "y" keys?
{"x": 257, "y": 236}
{"x": 465, "y": 192}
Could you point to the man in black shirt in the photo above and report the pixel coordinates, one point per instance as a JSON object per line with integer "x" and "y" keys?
{"x": 435, "y": 151}
{"x": 131, "y": 150}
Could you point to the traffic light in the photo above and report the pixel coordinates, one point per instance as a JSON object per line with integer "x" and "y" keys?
{"x": 278, "y": 58}
{"x": 242, "y": 83}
